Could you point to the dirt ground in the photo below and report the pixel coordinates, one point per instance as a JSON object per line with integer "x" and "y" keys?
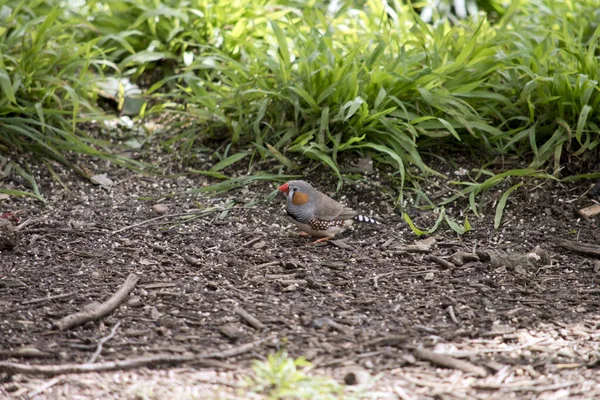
{"x": 367, "y": 300}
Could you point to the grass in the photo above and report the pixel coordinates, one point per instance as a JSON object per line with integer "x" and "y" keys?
{"x": 297, "y": 80}
{"x": 282, "y": 377}
{"x": 46, "y": 77}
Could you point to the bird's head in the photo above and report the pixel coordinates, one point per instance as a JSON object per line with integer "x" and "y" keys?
{"x": 297, "y": 193}
{"x": 298, "y": 199}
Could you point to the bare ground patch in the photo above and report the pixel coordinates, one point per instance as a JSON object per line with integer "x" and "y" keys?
{"x": 367, "y": 300}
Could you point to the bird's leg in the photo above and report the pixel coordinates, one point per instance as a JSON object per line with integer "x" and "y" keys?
{"x": 304, "y": 234}
{"x": 321, "y": 240}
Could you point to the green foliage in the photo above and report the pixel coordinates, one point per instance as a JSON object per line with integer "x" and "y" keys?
{"x": 46, "y": 80}
{"x": 366, "y": 80}
{"x": 277, "y": 78}
{"x": 281, "y": 377}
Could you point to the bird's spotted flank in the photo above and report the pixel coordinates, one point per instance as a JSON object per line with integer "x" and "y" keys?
{"x": 320, "y": 225}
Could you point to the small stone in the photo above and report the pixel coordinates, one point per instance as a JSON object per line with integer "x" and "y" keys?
{"x": 291, "y": 288}
{"x": 356, "y": 377}
{"x": 259, "y": 245}
{"x": 429, "y": 276}
{"x": 520, "y": 270}
{"x": 102, "y": 180}
{"x": 192, "y": 260}
{"x": 12, "y": 388}
{"x": 9, "y": 237}
{"x": 162, "y": 331}
{"x": 160, "y": 209}
{"x": 580, "y": 309}
{"x": 135, "y": 301}
{"x": 231, "y": 331}
{"x": 154, "y": 313}
{"x": 292, "y": 264}
{"x": 212, "y": 285}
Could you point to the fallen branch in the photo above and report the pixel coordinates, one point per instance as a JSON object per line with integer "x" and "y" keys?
{"x": 445, "y": 361}
{"x": 105, "y": 339}
{"x": 582, "y": 248}
{"x": 53, "y": 370}
{"x": 249, "y": 318}
{"x": 97, "y": 311}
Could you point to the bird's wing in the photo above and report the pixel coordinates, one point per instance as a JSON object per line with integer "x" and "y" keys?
{"x": 328, "y": 209}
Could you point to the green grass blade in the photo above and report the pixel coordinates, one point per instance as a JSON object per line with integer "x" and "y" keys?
{"x": 502, "y": 205}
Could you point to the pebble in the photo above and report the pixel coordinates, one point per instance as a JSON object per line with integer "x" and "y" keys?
{"x": 154, "y": 313}
{"x": 135, "y": 301}
{"x": 160, "y": 209}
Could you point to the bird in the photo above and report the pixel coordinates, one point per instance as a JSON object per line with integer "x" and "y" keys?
{"x": 317, "y": 214}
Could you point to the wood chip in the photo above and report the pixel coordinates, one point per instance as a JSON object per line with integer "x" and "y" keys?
{"x": 590, "y": 211}
{"x": 249, "y": 318}
{"x": 578, "y": 247}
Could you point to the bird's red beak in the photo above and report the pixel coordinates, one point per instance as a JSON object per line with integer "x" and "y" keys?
{"x": 285, "y": 188}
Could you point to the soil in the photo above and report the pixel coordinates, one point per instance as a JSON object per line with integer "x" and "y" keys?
{"x": 533, "y": 327}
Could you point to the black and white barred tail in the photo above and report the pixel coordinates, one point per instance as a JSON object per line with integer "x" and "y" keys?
{"x": 362, "y": 218}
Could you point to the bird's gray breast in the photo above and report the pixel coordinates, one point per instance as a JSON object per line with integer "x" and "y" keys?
{"x": 301, "y": 213}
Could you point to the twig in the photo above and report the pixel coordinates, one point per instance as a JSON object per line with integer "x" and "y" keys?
{"x": 105, "y": 339}
{"x": 100, "y": 310}
{"x": 446, "y": 361}
{"x": 43, "y": 388}
{"x": 249, "y": 318}
{"x": 470, "y": 353}
{"x": 460, "y": 257}
{"x": 151, "y": 220}
{"x": 43, "y": 299}
{"x": 523, "y": 388}
{"x": 401, "y": 393}
{"x": 27, "y": 223}
{"x": 197, "y": 214}
{"x": 439, "y": 261}
{"x": 53, "y": 370}
{"x": 59, "y": 230}
{"x": 389, "y": 340}
{"x": 450, "y": 310}
{"x": 267, "y": 264}
{"x": 343, "y": 329}
{"x": 582, "y": 248}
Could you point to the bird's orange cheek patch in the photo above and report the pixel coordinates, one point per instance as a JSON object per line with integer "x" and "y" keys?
{"x": 299, "y": 199}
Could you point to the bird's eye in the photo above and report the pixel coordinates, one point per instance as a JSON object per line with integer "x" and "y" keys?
{"x": 294, "y": 189}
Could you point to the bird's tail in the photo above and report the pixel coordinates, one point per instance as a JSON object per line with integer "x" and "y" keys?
{"x": 362, "y": 218}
